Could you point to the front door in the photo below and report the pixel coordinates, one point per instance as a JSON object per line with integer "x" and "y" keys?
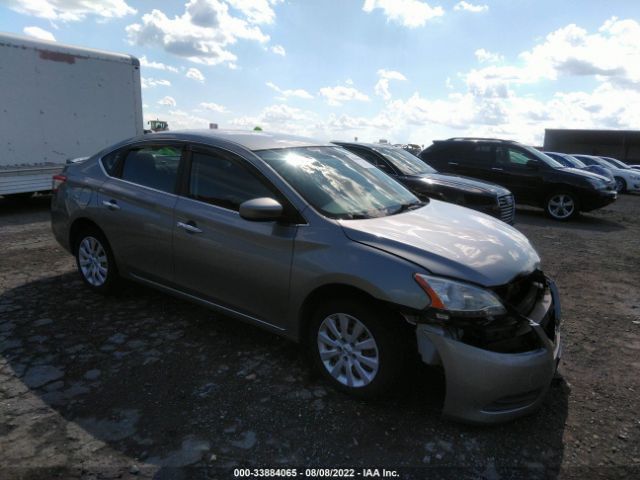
{"x": 239, "y": 264}
{"x": 522, "y": 172}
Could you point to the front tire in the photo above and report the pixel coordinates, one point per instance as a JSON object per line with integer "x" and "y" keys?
{"x": 95, "y": 262}
{"x": 621, "y": 185}
{"x": 562, "y": 206}
{"x": 355, "y": 349}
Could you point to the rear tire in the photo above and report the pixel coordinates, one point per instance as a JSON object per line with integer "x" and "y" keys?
{"x": 562, "y": 206}
{"x": 357, "y": 350}
{"x": 621, "y": 185}
{"x": 95, "y": 262}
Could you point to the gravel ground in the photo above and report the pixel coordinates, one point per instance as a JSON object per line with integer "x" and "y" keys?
{"x": 144, "y": 385}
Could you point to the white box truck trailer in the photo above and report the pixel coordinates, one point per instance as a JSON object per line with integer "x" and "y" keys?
{"x": 59, "y": 102}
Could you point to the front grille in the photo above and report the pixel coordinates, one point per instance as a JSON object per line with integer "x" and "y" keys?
{"x": 507, "y": 207}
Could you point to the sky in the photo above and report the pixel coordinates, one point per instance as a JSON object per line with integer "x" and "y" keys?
{"x": 408, "y": 71}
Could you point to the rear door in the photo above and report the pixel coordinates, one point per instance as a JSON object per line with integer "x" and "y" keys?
{"x": 219, "y": 256}
{"x": 136, "y": 207}
{"x": 477, "y": 160}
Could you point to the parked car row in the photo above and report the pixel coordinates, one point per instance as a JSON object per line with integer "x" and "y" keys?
{"x": 425, "y": 181}
{"x": 312, "y": 242}
{"x": 534, "y": 178}
{"x": 626, "y": 178}
{"x": 573, "y": 162}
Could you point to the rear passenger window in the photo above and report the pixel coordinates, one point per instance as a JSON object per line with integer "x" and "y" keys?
{"x": 154, "y": 167}
{"x": 481, "y": 154}
{"x": 223, "y": 182}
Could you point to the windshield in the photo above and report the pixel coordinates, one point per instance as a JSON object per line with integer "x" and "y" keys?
{"x": 545, "y": 158}
{"x": 601, "y": 162}
{"x": 576, "y": 162}
{"x": 338, "y": 183}
{"x": 560, "y": 159}
{"x": 616, "y": 162}
{"x": 405, "y": 162}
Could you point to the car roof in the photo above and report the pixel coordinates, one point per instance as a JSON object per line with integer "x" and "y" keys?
{"x": 248, "y": 139}
{"x": 476, "y": 139}
{"x": 364, "y": 144}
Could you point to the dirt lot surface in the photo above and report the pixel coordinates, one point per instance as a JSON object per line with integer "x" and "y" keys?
{"x": 144, "y": 385}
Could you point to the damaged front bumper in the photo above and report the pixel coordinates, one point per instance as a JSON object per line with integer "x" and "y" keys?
{"x": 485, "y": 386}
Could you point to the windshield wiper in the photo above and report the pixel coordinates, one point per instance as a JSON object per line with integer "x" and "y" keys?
{"x": 353, "y": 216}
{"x": 405, "y": 207}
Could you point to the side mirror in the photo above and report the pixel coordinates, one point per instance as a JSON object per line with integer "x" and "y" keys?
{"x": 261, "y": 210}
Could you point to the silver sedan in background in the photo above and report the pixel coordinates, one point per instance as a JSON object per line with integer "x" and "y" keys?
{"x": 309, "y": 241}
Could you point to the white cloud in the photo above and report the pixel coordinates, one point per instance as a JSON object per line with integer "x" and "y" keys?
{"x": 280, "y": 118}
{"x": 148, "y": 82}
{"x": 195, "y": 74}
{"x": 409, "y": 13}
{"x": 256, "y": 11}
{"x": 71, "y": 10}
{"x": 179, "y": 119}
{"x": 297, "y": 93}
{"x": 156, "y": 65}
{"x": 168, "y": 101}
{"x": 492, "y": 99}
{"x": 485, "y": 56}
{"x": 213, "y": 107}
{"x": 336, "y": 96}
{"x": 382, "y": 86}
{"x": 39, "y": 33}
{"x": 608, "y": 55}
{"x": 202, "y": 34}
{"x": 279, "y": 50}
{"x": 470, "y": 7}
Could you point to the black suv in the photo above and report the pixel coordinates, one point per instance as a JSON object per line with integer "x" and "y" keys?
{"x": 533, "y": 177}
{"x": 425, "y": 182}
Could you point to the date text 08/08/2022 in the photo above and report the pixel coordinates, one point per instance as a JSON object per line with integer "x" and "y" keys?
{"x": 315, "y": 473}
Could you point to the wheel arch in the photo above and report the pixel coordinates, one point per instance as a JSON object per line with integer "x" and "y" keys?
{"x": 333, "y": 291}
{"x": 79, "y": 225}
{"x": 562, "y": 188}
{"x": 624, "y": 183}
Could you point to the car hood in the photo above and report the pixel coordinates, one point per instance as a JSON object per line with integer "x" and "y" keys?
{"x": 451, "y": 241}
{"x": 584, "y": 173}
{"x": 470, "y": 185}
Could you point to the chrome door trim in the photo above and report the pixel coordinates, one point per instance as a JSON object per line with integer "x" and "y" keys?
{"x": 188, "y": 227}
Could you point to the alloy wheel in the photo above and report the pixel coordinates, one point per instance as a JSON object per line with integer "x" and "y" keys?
{"x": 92, "y": 258}
{"x": 348, "y": 350}
{"x": 561, "y": 206}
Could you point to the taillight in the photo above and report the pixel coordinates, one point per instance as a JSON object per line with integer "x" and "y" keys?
{"x": 57, "y": 181}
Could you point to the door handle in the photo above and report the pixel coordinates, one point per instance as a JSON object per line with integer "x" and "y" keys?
{"x": 453, "y": 163}
{"x": 111, "y": 204}
{"x": 496, "y": 169}
{"x": 189, "y": 227}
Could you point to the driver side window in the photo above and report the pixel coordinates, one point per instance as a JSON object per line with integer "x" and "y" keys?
{"x": 513, "y": 157}
{"x": 224, "y": 182}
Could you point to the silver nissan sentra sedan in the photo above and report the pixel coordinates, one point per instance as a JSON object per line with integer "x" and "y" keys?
{"x": 309, "y": 241}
